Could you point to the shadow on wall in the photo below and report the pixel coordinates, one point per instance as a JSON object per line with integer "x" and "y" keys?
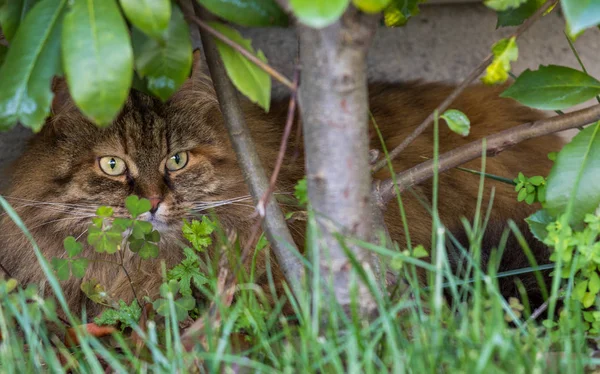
{"x": 443, "y": 43}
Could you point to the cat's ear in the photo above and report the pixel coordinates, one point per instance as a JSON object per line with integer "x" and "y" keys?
{"x": 197, "y": 63}
{"x": 62, "y": 98}
{"x": 199, "y": 67}
{"x": 198, "y": 85}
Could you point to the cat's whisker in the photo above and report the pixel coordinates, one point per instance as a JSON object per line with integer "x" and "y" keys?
{"x": 80, "y": 235}
{"x": 58, "y": 211}
{"x": 80, "y": 204}
{"x": 54, "y": 207}
{"x": 81, "y": 219}
{"x": 238, "y": 198}
{"x": 222, "y": 204}
{"x": 219, "y": 203}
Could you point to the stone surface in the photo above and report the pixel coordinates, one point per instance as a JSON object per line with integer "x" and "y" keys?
{"x": 443, "y": 43}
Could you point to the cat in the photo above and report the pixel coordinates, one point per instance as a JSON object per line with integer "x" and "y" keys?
{"x": 177, "y": 154}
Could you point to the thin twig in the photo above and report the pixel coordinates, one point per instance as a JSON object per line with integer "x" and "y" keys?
{"x": 243, "y": 51}
{"x": 459, "y": 89}
{"x": 122, "y": 264}
{"x": 538, "y": 312}
{"x": 283, "y": 147}
{"x": 274, "y": 223}
{"x": 496, "y": 143}
{"x": 260, "y": 207}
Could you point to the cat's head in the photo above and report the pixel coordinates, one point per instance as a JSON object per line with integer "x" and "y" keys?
{"x": 175, "y": 153}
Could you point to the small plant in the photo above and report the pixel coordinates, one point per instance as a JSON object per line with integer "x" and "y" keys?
{"x": 109, "y": 234}
{"x": 530, "y": 190}
{"x": 114, "y": 235}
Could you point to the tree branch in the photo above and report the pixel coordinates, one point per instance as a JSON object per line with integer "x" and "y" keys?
{"x": 496, "y": 143}
{"x": 460, "y": 88}
{"x": 264, "y": 66}
{"x": 274, "y": 223}
{"x": 260, "y": 206}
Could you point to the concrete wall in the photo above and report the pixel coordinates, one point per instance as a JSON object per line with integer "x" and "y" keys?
{"x": 443, "y": 43}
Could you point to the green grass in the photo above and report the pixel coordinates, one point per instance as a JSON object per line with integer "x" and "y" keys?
{"x": 410, "y": 334}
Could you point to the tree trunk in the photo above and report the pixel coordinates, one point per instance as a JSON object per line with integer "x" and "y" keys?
{"x": 333, "y": 100}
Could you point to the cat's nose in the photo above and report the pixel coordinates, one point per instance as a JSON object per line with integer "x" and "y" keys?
{"x": 154, "y": 203}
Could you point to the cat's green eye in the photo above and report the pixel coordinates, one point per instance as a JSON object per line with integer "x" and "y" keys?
{"x": 177, "y": 161}
{"x": 113, "y": 166}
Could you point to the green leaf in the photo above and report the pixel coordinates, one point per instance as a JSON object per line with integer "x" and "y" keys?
{"x": 182, "y": 305}
{"x": 572, "y": 186}
{"x": 61, "y": 268}
{"x": 148, "y": 250}
{"x": 541, "y": 193}
{"x": 137, "y": 206}
{"x": 581, "y": 14}
{"x": 150, "y": 16}
{"x": 166, "y": 63}
{"x": 516, "y": 16}
{"x": 140, "y": 229}
{"x": 530, "y": 198}
{"x": 419, "y": 252}
{"x": 252, "y": 81}
{"x": 3, "y": 52}
{"x": 12, "y": 12}
{"x": 79, "y": 266}
{"x": 186, "y": 272}
{"x": 504, "y": 51}
{"x": 588, "y": 299}
{"x": 457, "y": 121}
{"x": 122, "y": 224}
{"x": 170, "y": 287}
{"x": 104, "y": 211}
{"x": 94, "y": 291}
{"x": 72, "y": 246}
{"x": 580, "y": 289}
{"x": 537, "y": 180}
{"x": 538, "y": 222}
{"x": 97, "y": 58}
{"x": 136, "y": 244}
{"x": 301, "y": 191}
{"x": 317, "y": 13}
{"x": 153, "y": 236}
{"x": 371, "y": 6}
{"x": 553, "y": 88}
{"x": 500, "y": 5}
{"x": 104, "y": 241}
{"x": 126, "y": 315}
{"x": 198, "y": 233}
{"x": 522, "y": 194}
{"x": 31, "y": 62}
{"x": 247, "y": 12}
{"x": 400, "y": 11}
{"x": 594, "y": 285}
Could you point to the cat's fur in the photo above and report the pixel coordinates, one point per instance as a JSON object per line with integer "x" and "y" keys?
{"x": 57, "y": 183}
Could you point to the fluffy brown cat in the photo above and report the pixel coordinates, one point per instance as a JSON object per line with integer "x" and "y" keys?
{"x": 178, "y": 155}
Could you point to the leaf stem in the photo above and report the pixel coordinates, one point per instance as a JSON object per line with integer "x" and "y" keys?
{"x": 264, "y": 66}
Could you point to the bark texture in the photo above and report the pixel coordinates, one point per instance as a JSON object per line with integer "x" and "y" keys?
{"x": 334, "y": 106}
